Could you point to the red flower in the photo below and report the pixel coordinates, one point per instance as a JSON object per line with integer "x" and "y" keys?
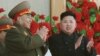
{"x": 90, "y": 33}
{"x": 75, "y": 4}
{"x": 1, "y": 10}
{"x": 98, "y": 48}
{"x": 92, "y": 5}
{"x": 78, "y": 16}
{"x": 81, "y": 26}
{"x": 96, "y": 40}
{"x": 87, "y": 22}
{"x": 85, "y": 12}
{"x": 42, "y": 16}
{"x": 33, "y": 14}
{"x": 97, "y": 17}
{"x": 70, "y": 1}
{"x": 55, "y": 18}
{"x": 85, "y": 1}
{"x": 96, "y": 27}
{"x": 34, "y": 27}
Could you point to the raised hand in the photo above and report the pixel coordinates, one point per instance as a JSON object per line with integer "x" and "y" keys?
{"x": 42, "y": 32}
{"x": 78, "y": 42}
{"x": 90, "y": 44}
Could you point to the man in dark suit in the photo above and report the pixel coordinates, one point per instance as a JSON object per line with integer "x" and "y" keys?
{"x": 19, "y": 40}
{"x": 68, "y": 42}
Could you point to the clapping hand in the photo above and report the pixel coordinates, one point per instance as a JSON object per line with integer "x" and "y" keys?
{"x": 42, "y": 32}
{"x": 90, "y": 45}
{"x": 78, "y": 42}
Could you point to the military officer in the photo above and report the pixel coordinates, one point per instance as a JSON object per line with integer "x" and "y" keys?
{"x": 19, "y": 41}
{"x": 5, "y": 24}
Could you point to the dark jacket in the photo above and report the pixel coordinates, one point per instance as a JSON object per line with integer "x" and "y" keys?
{"x": 20, "y": 42}
{"x": 64, "y": 45}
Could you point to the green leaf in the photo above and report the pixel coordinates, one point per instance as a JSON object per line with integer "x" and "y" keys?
{"x": 52, "y": 22}
{"x": 69, "y": 5}
{"x": 36, "y": 18}
{"x": 78, "y": 9}
{"x": 92, "y": 18}
{"x": 97, "y": 34}
{"x": 92, "y": 11}
{"x": 55, "y": 30}
{"x": 47, "y": 19}
{"x": 83, "y": 32}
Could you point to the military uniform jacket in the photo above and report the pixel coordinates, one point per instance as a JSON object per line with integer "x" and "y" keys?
{"x": 20, "y": 42}
{"x": 2, "y": 49}
{"x": 64, "y": 45}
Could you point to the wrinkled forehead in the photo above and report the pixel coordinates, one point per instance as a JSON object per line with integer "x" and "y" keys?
{"x": 26, "y": 16}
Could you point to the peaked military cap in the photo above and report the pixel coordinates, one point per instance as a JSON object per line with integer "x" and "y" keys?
{"x": 20, "y": 9}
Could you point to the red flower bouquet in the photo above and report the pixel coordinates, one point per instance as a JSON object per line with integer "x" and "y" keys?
{"x": 34, "y": 27}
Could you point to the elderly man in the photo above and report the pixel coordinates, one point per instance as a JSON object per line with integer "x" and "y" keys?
{"x": 19, "y": 41}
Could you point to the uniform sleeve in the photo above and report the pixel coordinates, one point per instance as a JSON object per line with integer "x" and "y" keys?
{"x": 20, "y": 42}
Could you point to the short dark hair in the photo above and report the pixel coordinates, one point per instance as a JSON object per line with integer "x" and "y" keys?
{"x": 67, "y": 13}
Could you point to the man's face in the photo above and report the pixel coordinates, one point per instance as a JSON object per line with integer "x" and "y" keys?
{"x": 68, "y": 24}
{"x": 27, "y": 19}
